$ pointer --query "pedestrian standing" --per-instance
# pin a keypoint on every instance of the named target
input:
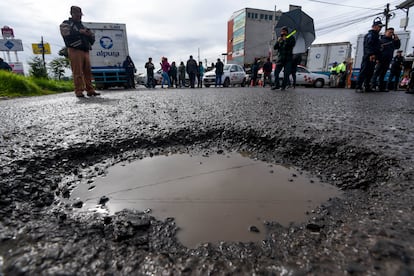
(389, 42)
(200, 75)
(342, 72)
(181, 74)
(130, 71)
(397, 65)
(284, 46)
(219, 72)
(255, 71)
(173, 74)
(267, 72)
(4, 65)
(150, 73)
(296, 60)
(372, 49)
(192, 70)
(79, 40)
(165, 67)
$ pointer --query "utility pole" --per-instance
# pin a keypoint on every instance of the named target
(387, 15)
(43, 53)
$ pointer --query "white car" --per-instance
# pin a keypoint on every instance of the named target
(142, 78)
(233, 74)
(305, 77)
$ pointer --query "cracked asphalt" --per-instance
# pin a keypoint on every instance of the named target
(362, 143)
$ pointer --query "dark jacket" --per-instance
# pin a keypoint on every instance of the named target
(372, 45)
(192, 67)
(173, 71)
(219, 68)
(397, 64)
(69, 30)
(285, 49)
(267, 67)
(5, 66)
(129, 66)
(388, 46)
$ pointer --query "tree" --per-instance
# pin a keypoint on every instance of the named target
(37, 68)
(57, 66)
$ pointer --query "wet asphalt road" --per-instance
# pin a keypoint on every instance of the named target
(363, 143)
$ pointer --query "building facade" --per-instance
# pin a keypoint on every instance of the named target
(250, 35)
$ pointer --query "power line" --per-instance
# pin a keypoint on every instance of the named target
(342, 5)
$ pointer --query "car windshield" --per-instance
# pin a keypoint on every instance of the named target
(226, 67)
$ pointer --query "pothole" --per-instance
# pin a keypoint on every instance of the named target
(220, 197)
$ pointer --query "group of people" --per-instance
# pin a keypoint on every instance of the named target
(377, 57)
(176, 76)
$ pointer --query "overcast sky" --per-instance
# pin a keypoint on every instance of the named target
(179, 28)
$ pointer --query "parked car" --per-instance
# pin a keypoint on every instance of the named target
(305, 77)
(142, 78)
(233, 74)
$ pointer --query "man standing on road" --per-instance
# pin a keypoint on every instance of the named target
(219, 72)
(372, 49)
(150, 73)
(192, 70)
(284, 45)
(267, 72)
(79, 40)
(389, 43)
(395, 72)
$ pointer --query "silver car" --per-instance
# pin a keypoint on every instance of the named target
(233, 74)
(305, 77)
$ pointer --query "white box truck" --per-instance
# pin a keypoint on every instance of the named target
(322, 56)
(108, 54)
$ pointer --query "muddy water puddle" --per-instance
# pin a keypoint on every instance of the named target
(212, 198)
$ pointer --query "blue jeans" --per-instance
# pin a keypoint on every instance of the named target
(218, 79)
(165, 77)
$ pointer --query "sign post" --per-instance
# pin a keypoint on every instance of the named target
(8, 44)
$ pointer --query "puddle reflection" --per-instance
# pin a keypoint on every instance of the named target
(212, 199)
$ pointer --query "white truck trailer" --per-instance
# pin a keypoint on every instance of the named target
(108, 54)
(322, 56)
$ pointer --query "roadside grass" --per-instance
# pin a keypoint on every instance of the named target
(13, 85)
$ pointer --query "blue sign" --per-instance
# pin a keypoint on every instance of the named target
(106, 42)
(9, 44)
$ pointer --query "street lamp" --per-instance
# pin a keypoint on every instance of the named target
(224, 57)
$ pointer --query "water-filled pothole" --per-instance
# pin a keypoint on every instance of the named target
(212, 198)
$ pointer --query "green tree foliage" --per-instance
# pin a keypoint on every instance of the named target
(57, 66)
(37, 68)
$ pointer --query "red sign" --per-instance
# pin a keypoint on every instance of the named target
(7, 32)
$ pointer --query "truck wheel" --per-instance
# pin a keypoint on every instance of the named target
(226, 82)
(318, 83)
(207, 85)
